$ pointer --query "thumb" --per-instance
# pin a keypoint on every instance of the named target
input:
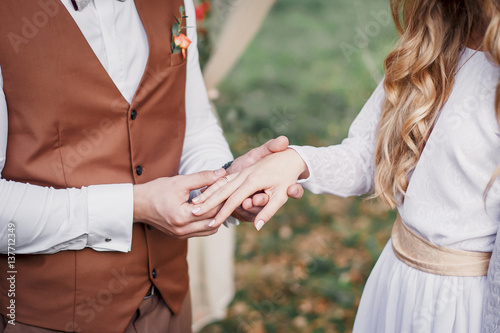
(272, 146)
(201, 179)
(276, 145)
(256, 154)
(295, 191)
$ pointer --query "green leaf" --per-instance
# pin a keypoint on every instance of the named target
(176, 29)
(182, 10)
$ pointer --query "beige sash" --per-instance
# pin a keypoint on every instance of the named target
(425, 256)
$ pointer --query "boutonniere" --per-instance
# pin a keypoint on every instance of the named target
(180, 42)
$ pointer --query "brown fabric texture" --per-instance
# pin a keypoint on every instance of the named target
(425, 256)
(69, 126)
(153, 315)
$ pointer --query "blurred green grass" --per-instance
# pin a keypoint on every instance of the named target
(306, 75)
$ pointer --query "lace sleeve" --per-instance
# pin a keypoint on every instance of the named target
(346, 169)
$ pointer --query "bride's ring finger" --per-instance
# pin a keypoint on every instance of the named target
(212, 189)
(223, 181)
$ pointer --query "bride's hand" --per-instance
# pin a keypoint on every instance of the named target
(273, 175)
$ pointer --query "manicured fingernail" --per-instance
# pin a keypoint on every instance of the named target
(195, 200)
(259, 225)
(211, 224)
(196, 210)
(219, 173)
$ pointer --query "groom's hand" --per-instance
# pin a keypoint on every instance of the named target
(253, 205)
(163, 204)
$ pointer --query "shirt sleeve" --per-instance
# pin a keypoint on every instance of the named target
(47, 220)
(205, 147)
(346, 169)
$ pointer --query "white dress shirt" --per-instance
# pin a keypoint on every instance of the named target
(49, 220)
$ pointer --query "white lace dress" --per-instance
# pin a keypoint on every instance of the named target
(444, 204)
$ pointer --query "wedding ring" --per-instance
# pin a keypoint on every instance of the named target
(226, 179)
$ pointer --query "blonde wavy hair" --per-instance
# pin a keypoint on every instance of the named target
(419, 77)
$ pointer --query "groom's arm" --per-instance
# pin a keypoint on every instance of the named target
(205, 147)
(47, 220)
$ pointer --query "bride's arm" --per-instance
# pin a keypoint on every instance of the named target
(346, 169)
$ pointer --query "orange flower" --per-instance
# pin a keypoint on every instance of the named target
(183, 42)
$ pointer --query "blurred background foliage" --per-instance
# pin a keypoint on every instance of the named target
(306, 75)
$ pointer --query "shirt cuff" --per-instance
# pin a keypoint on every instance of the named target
(110, 217)
(302, 152)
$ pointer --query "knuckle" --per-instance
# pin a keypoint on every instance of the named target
(209, 191)
(177, 224)
(177, 231)
(202, 197)
(253, 155)
(262, 197)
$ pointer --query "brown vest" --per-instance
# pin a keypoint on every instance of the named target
(69, 126)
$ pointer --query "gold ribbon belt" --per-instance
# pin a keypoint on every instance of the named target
(425, 256)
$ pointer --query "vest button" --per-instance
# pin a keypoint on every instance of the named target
(149, 227)
(154, 273)
(133, 115)
(138, 170)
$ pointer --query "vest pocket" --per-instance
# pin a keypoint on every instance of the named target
(177, 59)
